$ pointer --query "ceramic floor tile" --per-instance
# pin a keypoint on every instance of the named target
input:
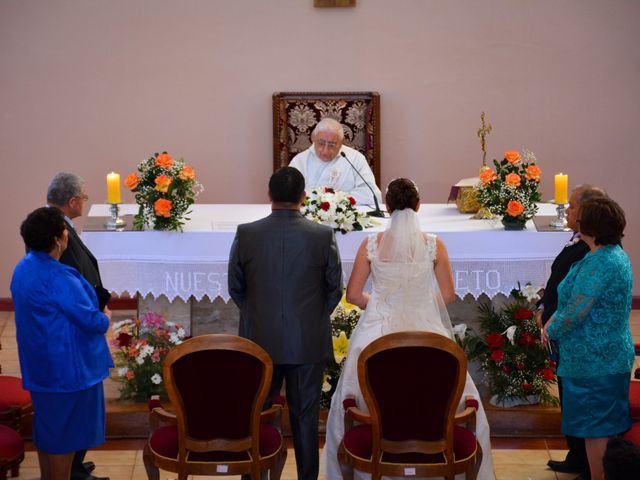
(10, 367)
(29, 473)
(30, 460)
(523, 472)
(139, 473)
(112, 457)
(558, 455)
(519, 457)
(114, 472)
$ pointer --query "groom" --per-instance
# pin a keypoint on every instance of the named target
(285, 276)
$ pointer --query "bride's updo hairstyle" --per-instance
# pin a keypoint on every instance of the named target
(402, 193)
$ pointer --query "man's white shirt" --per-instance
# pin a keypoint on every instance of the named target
(338, 174)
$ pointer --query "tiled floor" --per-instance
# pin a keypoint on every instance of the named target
(514, 459)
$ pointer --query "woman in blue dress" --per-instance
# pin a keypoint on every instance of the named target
(591, 325)
(63, 353)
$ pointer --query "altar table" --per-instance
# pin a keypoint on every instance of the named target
(193, 264)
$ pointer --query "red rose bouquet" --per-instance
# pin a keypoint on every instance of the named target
(515, 363)
(335, 209)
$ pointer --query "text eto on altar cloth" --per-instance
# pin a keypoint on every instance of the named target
(484, 257)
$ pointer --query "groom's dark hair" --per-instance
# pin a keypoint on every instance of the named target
(286, 185)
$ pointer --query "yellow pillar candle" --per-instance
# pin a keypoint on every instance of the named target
(113, 188)
(561, 188)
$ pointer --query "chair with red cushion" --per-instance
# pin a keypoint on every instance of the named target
(412, 383)
(12, 397)
(15, 405)
(218, 385)
(11, 452)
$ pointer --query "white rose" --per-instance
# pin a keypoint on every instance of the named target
(157, 379)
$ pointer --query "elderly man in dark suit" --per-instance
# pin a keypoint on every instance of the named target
(66, 192)
(285, 276)
(576, 459)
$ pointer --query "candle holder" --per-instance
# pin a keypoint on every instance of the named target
(560, 222)
(115, 223)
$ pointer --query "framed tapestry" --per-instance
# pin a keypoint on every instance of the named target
(295, 115)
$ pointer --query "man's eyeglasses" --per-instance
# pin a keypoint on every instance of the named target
(324, 143)
(83, 196)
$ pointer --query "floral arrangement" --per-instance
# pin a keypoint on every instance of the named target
(335, 209)
(343, 320)
(514, 361)
(511, 191)
(141, 346)
(165, 189)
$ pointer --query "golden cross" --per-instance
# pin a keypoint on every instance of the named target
(482, 133)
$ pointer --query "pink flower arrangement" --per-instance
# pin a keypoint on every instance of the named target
(141, 346)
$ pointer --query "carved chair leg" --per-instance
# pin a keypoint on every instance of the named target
(478, 462)
(278, 465)
(153, 472)
(15, 470)
(345, 467)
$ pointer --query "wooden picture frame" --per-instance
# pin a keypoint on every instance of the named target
(295, 115)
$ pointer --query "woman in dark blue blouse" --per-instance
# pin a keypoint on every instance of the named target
(591, 325)
(63, 353)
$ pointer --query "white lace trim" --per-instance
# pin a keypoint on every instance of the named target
(432, 246)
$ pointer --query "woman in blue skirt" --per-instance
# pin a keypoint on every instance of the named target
(63, 353)
(591, 325)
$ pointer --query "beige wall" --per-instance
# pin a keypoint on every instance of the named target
(92, 86)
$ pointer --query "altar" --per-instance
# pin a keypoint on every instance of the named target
(188, 266)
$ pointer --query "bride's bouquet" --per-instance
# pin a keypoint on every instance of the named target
(334, 208)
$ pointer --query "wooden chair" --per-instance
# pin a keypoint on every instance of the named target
(295, 115)
(11, 452)
(412, 383)
(15, 408)
(218, 385)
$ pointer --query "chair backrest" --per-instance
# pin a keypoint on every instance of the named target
(218, 384)
(295, 115)
(412, 383)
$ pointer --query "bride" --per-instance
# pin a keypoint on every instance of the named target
(412, 280)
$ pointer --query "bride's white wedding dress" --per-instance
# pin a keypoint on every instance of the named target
(405, 297)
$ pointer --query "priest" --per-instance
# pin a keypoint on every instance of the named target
(327, 162)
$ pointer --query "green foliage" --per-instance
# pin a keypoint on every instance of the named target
(512, 358)
(141, 347)
(343, 320)
(163, 206)
(495, 192)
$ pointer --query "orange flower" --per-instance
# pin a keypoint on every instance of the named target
(187, 173)
(163, 207)
(164, 160)
(514, 208)
(512, 156)
(132, 181)
(488, 176)
(162, 183)
(533, 173)
(512, 180)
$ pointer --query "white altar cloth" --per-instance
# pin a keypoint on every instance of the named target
(484, 257)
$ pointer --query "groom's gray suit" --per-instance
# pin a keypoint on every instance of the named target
(286, 278)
